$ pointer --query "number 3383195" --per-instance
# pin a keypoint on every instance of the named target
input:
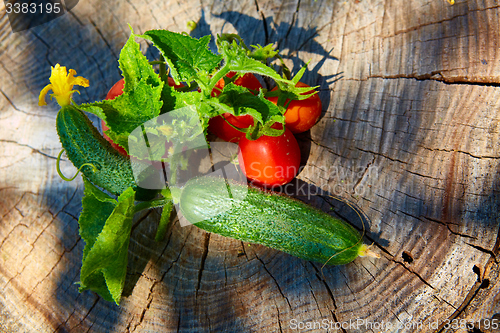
(33, 8)
(456, 324)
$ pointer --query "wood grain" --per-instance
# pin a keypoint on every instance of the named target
(409, 133)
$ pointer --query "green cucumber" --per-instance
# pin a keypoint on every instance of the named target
(84, 144)
(212, 204)
(273, 220)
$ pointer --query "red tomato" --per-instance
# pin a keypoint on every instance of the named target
(270, 161)
(171, 83)
(248, 80)
(223, 130)
(218, 125)
(301, 115)
(117, 90)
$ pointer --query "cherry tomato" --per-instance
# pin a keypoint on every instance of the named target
(218, 125)
(248, 80)
(270, 161)
(117, 90)
(226, 132)
(301, 115)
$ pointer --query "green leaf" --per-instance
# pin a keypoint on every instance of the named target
(135, 67)
(97, 206)
(183, 99)
(287, 91)
(141, 99)
(238, 60)
(134, 108)
(243, 102)
(262, 53)
(168, 96)
(239, 101)
(105, 225)
(186, 56)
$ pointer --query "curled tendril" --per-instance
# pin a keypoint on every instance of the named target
(360, 238)
(94, 169)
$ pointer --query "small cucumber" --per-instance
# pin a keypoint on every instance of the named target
(276, 221)
(84, 144)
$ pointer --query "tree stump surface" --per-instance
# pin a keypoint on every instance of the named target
(409, 133)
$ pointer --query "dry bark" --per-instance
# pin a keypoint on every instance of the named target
(409, 132)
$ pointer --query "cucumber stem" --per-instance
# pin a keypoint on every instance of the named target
(366, 251)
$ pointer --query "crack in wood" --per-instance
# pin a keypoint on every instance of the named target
(244, 251)
(292, 23)
(328, 290)
(420, 175)
(97, 298)
(35, 150)
(143, 313)
(482, 249)
(202, 263)
(99, 32)
(59, 328)
(75, 17)
(444, 223)
(178, 256)
(275, 281)
(368, 271)
(474, 291)
(167, 244)
(420, 26)
(436, 76)
(462, 152)
(54, 216)
(382, 155)
(16, 108)
(264, 24)
(328, 149)
(279, 319)
(19, 224)
(363, 175)
(381, 247)
(54, 266)
(413, 272)
(139, 220)
(131, 4)
(461, 308)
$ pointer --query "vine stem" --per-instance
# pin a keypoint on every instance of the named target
(219, 75)
(59, 172)
(151, 204)
(163, 69)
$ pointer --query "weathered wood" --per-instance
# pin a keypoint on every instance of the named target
(409, 133)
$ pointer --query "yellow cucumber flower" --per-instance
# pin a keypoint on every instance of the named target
(61, 83)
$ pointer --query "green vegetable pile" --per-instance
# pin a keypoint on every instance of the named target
(112, 195)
